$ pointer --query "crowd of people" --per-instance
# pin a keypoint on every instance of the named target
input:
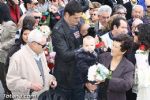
(48, 46)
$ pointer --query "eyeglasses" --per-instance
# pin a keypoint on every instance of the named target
(43, 46)
(93, 14)
(148, 6)
(37, 17)
(121, 13)
(103, 17)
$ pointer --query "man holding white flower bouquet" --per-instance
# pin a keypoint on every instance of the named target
(86, 57)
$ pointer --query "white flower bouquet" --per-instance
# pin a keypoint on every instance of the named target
(98, 72)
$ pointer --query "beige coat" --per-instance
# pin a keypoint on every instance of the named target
(7, 38)
(23, 70)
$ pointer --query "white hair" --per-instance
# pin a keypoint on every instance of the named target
(36, 36)
(104, 8)
(137, 21)
(138, 6)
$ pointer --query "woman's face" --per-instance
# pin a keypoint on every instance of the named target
(25, 35)
(16, 2)
(116, 49)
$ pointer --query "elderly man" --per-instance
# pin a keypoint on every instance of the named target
(28, 74)
(137, 12)
(104, 14)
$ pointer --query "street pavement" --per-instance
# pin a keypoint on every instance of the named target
(1, 91)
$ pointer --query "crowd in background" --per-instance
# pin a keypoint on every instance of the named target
(47, 47)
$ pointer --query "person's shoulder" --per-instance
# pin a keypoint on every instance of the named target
(128, 63)
(105, 35)
(13, 49)
(58, 25)
(10, 25)
(105, 55)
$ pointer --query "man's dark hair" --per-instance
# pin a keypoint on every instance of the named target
(27, 1)
(73, 7)
(116, 22)
(125, 40)
(144, 35)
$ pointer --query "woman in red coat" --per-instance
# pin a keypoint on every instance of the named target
(14, 10)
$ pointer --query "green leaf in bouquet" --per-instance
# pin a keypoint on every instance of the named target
(110, 75)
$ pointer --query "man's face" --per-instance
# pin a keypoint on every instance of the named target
(37, 17)
(39, 46)
(121, 12)
(148, 10)
(137, 13)
(123, 28)
(73, 20)
(104, 18)
(94, 16)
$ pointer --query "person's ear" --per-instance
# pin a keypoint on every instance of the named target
(114, 27)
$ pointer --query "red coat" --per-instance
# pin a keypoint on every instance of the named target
(14, 13)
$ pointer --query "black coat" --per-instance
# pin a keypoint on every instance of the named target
(65, 45)
(83, 61)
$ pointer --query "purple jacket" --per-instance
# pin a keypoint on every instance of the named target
(122, 78)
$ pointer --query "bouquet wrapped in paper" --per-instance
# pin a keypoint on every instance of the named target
(98, 72)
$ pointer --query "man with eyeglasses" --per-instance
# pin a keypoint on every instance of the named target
(28, 73)
(137, 12)
(120, 10)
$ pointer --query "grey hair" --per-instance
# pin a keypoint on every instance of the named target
(137, 21)
(104, 8)
(137, 6)
(118, 7)
(29, 12)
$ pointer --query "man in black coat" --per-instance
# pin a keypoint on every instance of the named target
(66, 40)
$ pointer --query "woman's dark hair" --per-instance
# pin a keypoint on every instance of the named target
(4, 13)
(28, 24)
(144, 35)
(125, 40)
(73, 7)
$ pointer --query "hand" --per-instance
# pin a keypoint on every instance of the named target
(91, 87)
(36, 86)
(53, 83)
(98, 82)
